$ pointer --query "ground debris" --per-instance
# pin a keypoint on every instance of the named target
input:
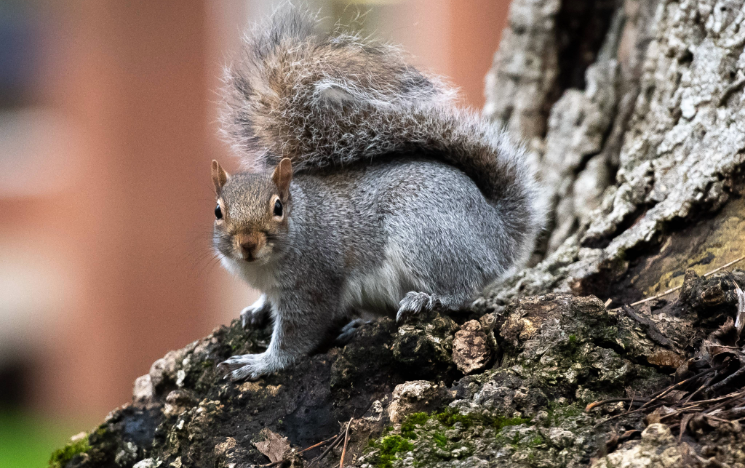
(708, 394)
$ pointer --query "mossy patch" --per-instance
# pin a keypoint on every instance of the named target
(408, 426)
(440, 439)
(450, 417)
(430, 431)
(388, 449)
(61, 457)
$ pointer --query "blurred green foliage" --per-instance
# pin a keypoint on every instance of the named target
(28, 440)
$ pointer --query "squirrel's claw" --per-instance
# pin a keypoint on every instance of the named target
(244, 367)
(414, 303)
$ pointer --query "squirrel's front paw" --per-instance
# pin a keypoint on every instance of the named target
(246, 366)
(414, 303)
(257, 314)
(348, 331)
(251, 317)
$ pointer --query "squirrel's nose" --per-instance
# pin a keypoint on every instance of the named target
(247, 246)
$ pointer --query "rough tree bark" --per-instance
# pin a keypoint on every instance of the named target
(633, 114)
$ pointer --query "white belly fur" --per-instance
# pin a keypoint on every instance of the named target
(380, 291)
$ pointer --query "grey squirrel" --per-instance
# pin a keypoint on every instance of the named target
(367, 190)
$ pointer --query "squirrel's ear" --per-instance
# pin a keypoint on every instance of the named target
(282, 176)
(219, 176)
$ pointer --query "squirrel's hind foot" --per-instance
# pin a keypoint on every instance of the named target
(415, 303)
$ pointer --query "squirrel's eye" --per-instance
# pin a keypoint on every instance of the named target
(277, 208)
(218, 212)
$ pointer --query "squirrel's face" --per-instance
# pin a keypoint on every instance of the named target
(251, 213)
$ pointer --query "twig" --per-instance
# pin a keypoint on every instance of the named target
(716, 270)
(673, 387)
(346, 439)
(595, 404)
(726, 381)
(279, 462)
(276, 463)
(672, 290)
(725, 398)
(708, 416)
(319, 443)
(627, 413)
(704, 385)
(723, 403)
(328, 449)
(338, 439)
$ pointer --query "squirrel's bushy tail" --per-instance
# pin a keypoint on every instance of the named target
(335, 99)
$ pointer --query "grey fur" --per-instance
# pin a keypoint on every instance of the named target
(399, 201)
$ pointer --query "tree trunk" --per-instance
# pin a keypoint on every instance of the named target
(641, 159)
(633, 115)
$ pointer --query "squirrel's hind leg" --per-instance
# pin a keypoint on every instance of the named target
(257, 314)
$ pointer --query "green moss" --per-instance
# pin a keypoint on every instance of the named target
(407, 428)
(440, 439)
(60, 457)
(450, 417)
(500, 423)
(389, 447)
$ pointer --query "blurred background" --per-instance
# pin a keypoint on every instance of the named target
(108, 115)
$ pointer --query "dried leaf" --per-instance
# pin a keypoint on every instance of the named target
(675, 396)
(274, 446)
(655, 416)
(721, 352)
